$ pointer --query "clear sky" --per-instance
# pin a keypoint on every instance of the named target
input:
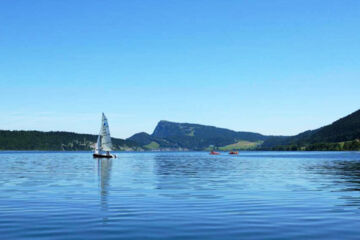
(274, 67)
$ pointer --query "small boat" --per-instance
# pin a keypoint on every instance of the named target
(214, 153)
(234, 152)
(103, 144)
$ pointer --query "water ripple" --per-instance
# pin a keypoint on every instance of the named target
(255, 195)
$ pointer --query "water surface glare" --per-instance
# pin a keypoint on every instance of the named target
(180, 195)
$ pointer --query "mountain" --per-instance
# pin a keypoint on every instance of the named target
(150, 142)
(344, 129)
(343, 134)
(58, 141)
(196, 137)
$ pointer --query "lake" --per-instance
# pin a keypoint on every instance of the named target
(180, 195)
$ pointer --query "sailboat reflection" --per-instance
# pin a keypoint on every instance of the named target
(104, 173)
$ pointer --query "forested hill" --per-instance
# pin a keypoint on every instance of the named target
(343, 134)
(196, 137)
(57, 141)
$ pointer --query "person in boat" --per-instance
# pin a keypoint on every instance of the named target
(107, 153)
(214, 153)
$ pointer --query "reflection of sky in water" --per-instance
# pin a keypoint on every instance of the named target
(180, 195)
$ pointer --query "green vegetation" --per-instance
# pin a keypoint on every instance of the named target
(337, 146)
(241, 145)
(152, 146)
(199, 137)
(57, 141)
(148, 141)
(342, 135)
(192, 133)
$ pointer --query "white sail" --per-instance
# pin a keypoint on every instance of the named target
(98, 145)
(106, 144)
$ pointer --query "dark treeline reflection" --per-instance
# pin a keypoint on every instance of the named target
(343, 177)
(176, 172)
(178, 165)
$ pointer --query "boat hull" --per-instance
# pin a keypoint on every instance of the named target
(214, 153)
(102, 156)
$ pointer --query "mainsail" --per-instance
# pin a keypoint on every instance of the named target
(106, 144)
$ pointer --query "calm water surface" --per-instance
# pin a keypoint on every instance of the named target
(255, 195)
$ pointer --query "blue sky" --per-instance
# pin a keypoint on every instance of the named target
(274, 67)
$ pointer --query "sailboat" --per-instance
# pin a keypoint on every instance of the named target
(103, 145)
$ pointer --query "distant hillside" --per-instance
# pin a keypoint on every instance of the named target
(149, 142)
(344, 129)
(36, 140)
(343, 134)
(196, 137)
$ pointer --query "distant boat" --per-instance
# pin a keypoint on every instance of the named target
(103, 145)
(214, 153)
(234, 152)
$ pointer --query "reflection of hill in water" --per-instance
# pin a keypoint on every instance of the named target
(175, 165)
(179, 174)
(343, 178)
